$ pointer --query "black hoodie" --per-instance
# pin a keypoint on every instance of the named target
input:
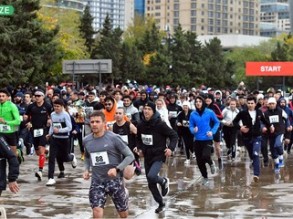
(152, 136)
(201, 110)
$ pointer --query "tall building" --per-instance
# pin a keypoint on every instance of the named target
(275, 17)
(139, 7)
(291, 15)
(121, 12)
(206, 17)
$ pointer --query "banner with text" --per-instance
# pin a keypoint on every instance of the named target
(269, 68)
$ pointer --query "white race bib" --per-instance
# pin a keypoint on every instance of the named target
(5, 128)
(185, 123)
(38, 132)
(274, 119)
(57, 125)
(124, 138)
(147, 139)
(88, 110)
(100, 158)
(173, 114)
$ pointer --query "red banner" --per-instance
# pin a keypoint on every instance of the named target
(269, 68)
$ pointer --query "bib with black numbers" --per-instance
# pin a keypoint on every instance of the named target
(38, 132)
(274, 119)
(147, 139)
(100, 158)
(5, 128)
(57, 125)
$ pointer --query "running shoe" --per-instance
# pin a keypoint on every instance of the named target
(165, 186)
(277, 168)
(205, 182)
(255, 179)
(39, 175)
(74, 161)
(160, 208)
(61, 175)
(51, 182)
(281, 163)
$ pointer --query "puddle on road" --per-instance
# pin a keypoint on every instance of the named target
(230, 194)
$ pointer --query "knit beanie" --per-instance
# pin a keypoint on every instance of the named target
(151, 105)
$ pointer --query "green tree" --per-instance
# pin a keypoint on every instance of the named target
(28, 50)
(217, 73)
(151, 41)
(185, 52)
(239, 56)
(108, 46)
(281, 53)
(86, 29)
(131, 64)
(70, 44)
(158, 71)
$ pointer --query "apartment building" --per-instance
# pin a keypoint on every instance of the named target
(121, 12)
(206, 17)
(275, 17)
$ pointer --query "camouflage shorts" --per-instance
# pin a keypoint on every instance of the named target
(114, 188)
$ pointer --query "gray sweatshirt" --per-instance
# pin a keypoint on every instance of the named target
(61, 121)
(104, 153)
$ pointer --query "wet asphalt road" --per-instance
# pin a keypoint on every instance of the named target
(231, 193)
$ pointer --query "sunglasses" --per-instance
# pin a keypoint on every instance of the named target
(38, 95)
(108, 104)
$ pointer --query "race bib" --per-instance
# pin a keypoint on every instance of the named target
(173, 114)
(5, 128)
(100, 158)
(147, 139)
(88, 110)
(185, 123)
(57, 125)
(274, 119)
(124, 138)
(38, 132)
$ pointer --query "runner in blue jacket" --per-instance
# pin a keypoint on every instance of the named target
(203, 124)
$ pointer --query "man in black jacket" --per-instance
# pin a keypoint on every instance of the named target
(249, 123)
(152, 134)
(7, 154)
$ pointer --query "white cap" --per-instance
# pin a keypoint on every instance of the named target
(260, 96)
(272, 100)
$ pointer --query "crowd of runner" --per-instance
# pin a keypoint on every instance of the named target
(139, 122)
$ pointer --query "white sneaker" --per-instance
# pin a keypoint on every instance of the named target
(2, 213)
(74, 161)
(187, 162)
(205, 181)
(51, 182)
